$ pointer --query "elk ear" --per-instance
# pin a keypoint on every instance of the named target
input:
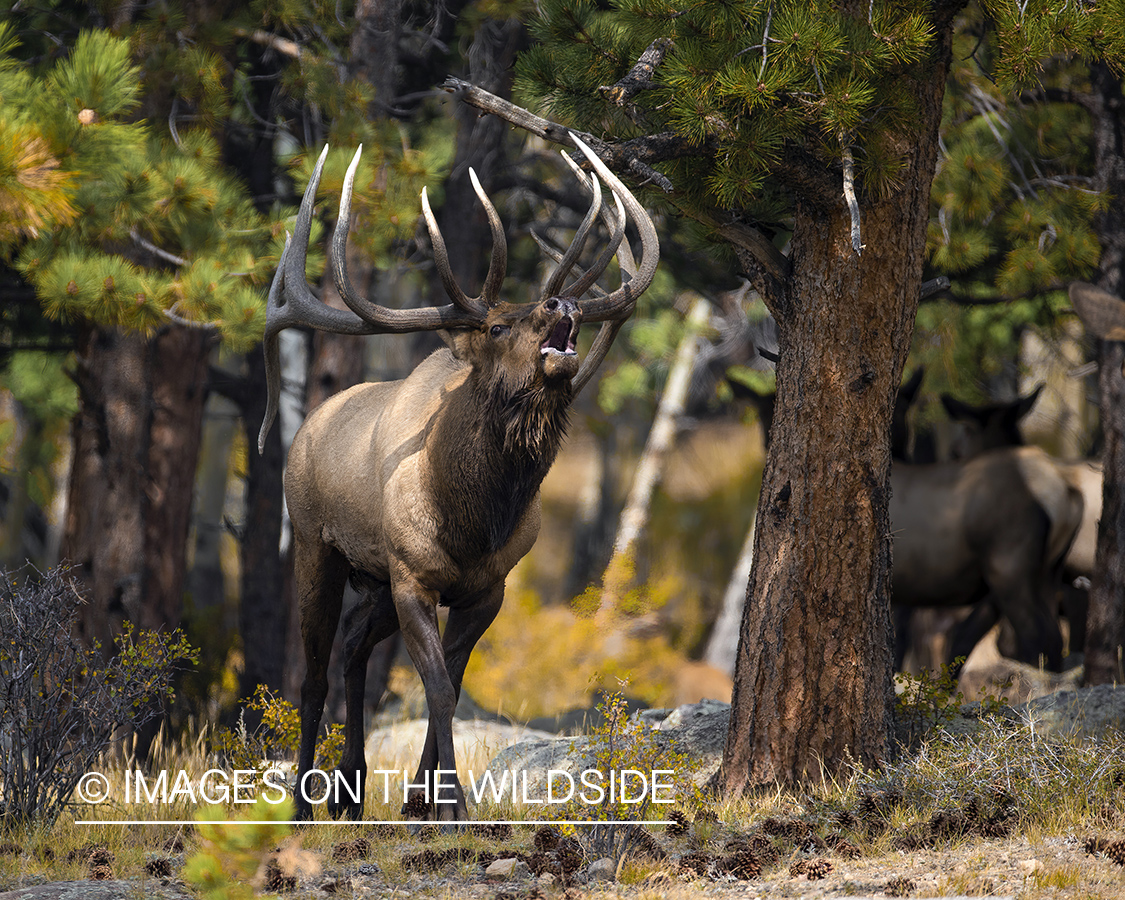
(457, 340)
(1024, 404)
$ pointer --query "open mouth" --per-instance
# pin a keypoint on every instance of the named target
(561, 339)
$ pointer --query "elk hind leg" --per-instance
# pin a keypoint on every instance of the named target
(367, 623)
(320, 574)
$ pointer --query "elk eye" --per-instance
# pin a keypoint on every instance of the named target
(499, 330)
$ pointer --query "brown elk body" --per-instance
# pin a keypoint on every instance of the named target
(991, 531)
(988, 533)
(425, 492)
(996, 425)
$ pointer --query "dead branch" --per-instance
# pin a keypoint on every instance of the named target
(639, 78)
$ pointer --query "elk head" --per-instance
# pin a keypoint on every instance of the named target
(485, 330)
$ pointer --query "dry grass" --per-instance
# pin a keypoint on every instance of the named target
(1049, 799)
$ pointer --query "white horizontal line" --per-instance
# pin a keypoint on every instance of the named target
(370, 822)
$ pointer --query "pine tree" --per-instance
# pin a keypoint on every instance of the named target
(810, 128)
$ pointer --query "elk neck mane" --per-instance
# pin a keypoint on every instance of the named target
(494, 447)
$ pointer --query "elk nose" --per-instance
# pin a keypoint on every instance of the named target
(564, 305)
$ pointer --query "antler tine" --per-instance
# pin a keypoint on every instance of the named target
(556, 254)
(498, 265)
(616, 225)
(291, 302)
(554, 283)
(441, 260)
(385, 319)
(621, 301)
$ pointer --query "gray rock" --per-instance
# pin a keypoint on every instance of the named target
(603, 869)
(509, 869)
(1085, 712)
(698, 731)
(96, 890)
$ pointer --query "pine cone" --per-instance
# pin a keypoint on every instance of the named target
(100, 864)
(540, 862)
(844, 848)
(680, 824)
(743, 865)
(159, 867)
(899, 886)
(997, 826)
(347, 851)
(645, 844)
(174, 844)
(494, 832)
(947, 823)
(1095, 844)
(416, 807)
(909, 841)
(697, 862)
(799, 867)
(818, 868)
(1115, 850)
(570, 856)
(546, 837)
(277, 882)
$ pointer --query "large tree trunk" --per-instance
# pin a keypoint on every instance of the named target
(1105, 632)
(136, 443)
(813, 672)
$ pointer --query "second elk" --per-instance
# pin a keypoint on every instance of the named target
(425, 492)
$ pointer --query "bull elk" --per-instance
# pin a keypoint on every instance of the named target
(425, 491)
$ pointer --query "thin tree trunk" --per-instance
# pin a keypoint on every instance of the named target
(1105, 632)
(177, 374)
(813, 673)
(722, 646)
(650, 468)
(593, 526)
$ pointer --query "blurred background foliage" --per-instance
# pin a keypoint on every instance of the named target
(151, 157)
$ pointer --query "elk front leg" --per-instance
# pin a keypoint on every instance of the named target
(320, 573)
(463, 629)
(365, 624)
(417, 617)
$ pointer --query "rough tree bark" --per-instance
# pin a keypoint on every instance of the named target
(813, 670)
(136, 440)
(1105, 631)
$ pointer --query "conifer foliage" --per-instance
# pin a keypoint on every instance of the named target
(113, 223)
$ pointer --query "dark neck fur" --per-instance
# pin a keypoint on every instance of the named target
(493, 450)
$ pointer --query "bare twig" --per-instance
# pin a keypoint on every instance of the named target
(282, 45)
(157, 251)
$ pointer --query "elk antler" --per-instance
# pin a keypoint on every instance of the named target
(292, 303)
